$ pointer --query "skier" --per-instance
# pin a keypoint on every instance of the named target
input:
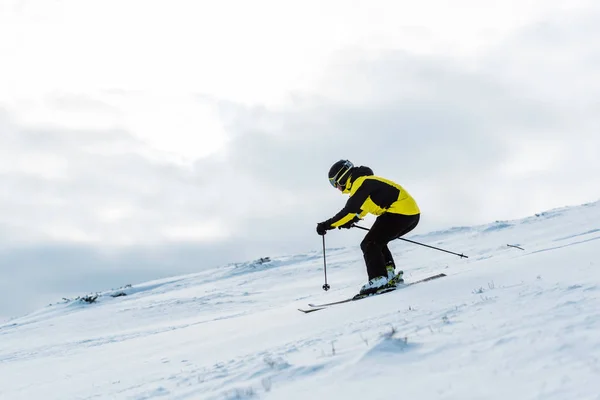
(397, 214)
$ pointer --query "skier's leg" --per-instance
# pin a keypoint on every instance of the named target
(374, 246)
(373, 255)
(406, 223)
(403, 224)
(390, 266)
(387, 255)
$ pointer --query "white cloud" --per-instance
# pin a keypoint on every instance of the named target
(528, 157)
(235, 49)
(206, 231)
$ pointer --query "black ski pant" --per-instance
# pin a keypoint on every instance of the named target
(374, 246)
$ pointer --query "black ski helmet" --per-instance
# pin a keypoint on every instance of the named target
(339, 171)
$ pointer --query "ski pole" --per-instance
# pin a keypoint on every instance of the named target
(420, 244)
(325, 286)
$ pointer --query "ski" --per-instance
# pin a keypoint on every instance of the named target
(317, 307)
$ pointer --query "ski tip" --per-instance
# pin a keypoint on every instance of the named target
(311, 310)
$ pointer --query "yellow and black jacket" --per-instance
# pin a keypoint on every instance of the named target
(372, 194)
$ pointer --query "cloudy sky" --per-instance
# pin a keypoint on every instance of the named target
(141, 139)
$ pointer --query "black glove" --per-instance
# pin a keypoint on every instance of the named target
(322, 228)
(349, 224)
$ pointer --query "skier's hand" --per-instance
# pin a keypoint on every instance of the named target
(349, 224)
(322, 228)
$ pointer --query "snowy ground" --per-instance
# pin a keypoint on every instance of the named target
(504, 324)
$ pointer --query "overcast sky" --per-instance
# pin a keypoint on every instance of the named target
(141, 139)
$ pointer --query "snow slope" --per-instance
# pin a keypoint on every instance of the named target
(505, 323)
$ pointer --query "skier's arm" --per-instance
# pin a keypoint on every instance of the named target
(351, 210)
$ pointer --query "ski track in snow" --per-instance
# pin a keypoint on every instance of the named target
(505, 323)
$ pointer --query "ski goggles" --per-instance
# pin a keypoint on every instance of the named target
(345, 168)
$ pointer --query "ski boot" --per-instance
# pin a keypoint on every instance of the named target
(391, 271)
(393, 277)
(373, 285)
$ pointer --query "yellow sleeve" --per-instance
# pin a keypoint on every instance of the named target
(345, 220)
